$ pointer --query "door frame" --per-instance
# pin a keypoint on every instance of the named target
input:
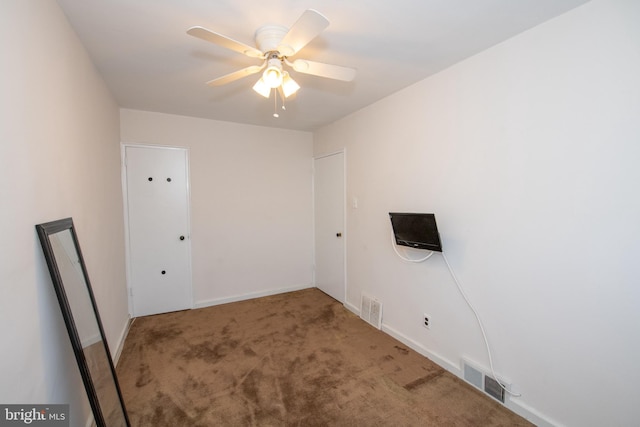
(345, 235)
(125, 213)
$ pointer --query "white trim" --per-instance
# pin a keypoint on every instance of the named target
(90, 421)
(434, 357)
(125, 215)
(123, 337)
(329, 154)
(313, 221)
(345, 205)
(530, 414)
(91, 340)
(252, 295)
(352, 308)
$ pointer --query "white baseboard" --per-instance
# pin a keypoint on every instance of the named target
(439, 360)
(121, 340)
(515, 405)
(434, 357)
(252, 295)
(90, 421)
(352, 308)
(530, 414)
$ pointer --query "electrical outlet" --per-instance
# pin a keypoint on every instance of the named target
(426, 321)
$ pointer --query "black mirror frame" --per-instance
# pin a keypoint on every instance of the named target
(45, 230)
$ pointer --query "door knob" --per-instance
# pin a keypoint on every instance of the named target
(181, 237)
(338, 234)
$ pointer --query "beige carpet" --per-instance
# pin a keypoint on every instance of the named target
(295, 359)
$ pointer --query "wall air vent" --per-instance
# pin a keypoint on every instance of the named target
(371, 311)
(472, 375)
(493, 388)
(483, 381)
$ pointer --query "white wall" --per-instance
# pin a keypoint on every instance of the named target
(59, 157)
(251, 211)
(528, 153)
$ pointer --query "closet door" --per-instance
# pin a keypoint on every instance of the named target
(329, 202)
(159, 255)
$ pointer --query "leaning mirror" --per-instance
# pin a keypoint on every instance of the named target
(80, 312)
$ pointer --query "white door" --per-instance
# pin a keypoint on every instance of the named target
(158, 229)
(329, 199)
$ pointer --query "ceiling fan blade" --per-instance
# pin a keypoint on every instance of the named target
(228, 78)
(224, 41)
(306, 28)
(323, 70)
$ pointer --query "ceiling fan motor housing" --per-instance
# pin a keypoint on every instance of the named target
(268, 37)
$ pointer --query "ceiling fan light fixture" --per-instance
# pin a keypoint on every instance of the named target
(289, 86)
(262, 88)
(274, 45)
(272, 76)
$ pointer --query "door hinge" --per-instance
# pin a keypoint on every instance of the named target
(131, 292)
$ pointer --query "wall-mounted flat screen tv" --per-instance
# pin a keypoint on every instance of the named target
(416, 230)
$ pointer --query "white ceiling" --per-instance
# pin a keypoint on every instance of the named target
(149, 62)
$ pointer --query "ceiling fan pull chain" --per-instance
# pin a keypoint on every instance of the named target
(275, 104)
(282, 97)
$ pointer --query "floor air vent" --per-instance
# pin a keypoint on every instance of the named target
(371, 311)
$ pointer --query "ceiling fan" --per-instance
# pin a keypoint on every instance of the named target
(274, 45)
